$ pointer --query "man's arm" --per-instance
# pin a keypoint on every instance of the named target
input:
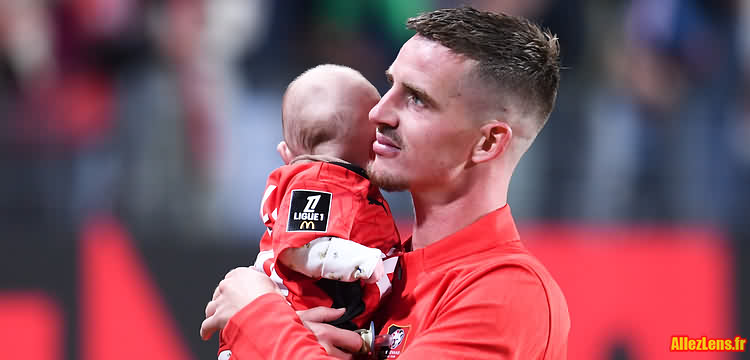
(257, 320)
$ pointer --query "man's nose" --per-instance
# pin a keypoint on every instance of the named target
(383, 113)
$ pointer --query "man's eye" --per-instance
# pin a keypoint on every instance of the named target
(414, 98)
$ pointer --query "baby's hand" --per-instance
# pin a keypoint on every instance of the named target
(377, 273)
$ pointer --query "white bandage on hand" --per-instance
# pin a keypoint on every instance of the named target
(336, 259)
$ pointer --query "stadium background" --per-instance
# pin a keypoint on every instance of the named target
(136, 136)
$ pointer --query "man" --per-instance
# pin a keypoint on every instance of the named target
(470, 92)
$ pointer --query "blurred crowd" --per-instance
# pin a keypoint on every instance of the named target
(167, 112)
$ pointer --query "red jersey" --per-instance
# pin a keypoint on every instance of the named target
(476, 294)
(306, 201)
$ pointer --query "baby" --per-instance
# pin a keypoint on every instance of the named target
(329, 228)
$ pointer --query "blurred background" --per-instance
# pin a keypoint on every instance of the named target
(136, 137)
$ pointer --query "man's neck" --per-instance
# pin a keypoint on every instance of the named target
(438, 215)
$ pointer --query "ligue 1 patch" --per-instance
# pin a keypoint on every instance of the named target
(398, 335)
(225, 355)
(309, 211)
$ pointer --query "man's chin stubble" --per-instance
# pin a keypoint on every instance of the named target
(386, 182)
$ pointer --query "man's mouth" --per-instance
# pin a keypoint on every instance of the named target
(385, 146)
(384, 140)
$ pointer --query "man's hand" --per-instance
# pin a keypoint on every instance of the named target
(338, 343)
(239, 287)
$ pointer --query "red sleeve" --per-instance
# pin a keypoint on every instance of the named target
(490, 318)
(269, 205)
(268, 328)
(330, 208)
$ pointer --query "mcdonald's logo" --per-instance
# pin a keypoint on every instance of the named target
(309, 210)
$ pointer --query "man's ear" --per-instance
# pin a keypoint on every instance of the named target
(286, 154)
(496, 137)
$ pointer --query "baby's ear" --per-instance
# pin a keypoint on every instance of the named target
(286, 154)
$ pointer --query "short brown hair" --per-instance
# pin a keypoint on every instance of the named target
(512, 53)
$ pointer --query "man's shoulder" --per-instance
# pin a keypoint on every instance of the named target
(498, 270)
(513, 292)
(497, 257)
(495, 264)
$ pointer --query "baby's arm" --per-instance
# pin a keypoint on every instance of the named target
(336, 259)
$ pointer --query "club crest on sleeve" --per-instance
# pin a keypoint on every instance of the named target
(309, 210)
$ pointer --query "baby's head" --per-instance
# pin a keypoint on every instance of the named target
(325, 112)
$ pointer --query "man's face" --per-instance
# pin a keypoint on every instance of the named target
(426, 130)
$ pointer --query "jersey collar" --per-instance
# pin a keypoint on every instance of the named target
(492, 230)
(351, 167)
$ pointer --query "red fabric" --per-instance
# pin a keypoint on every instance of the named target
(358, 212)
(477, 294)
(269, 328)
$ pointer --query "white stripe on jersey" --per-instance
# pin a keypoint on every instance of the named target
(384, 283)
(261, 258)
(389, 265)
(266, 194)
(277, 279)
